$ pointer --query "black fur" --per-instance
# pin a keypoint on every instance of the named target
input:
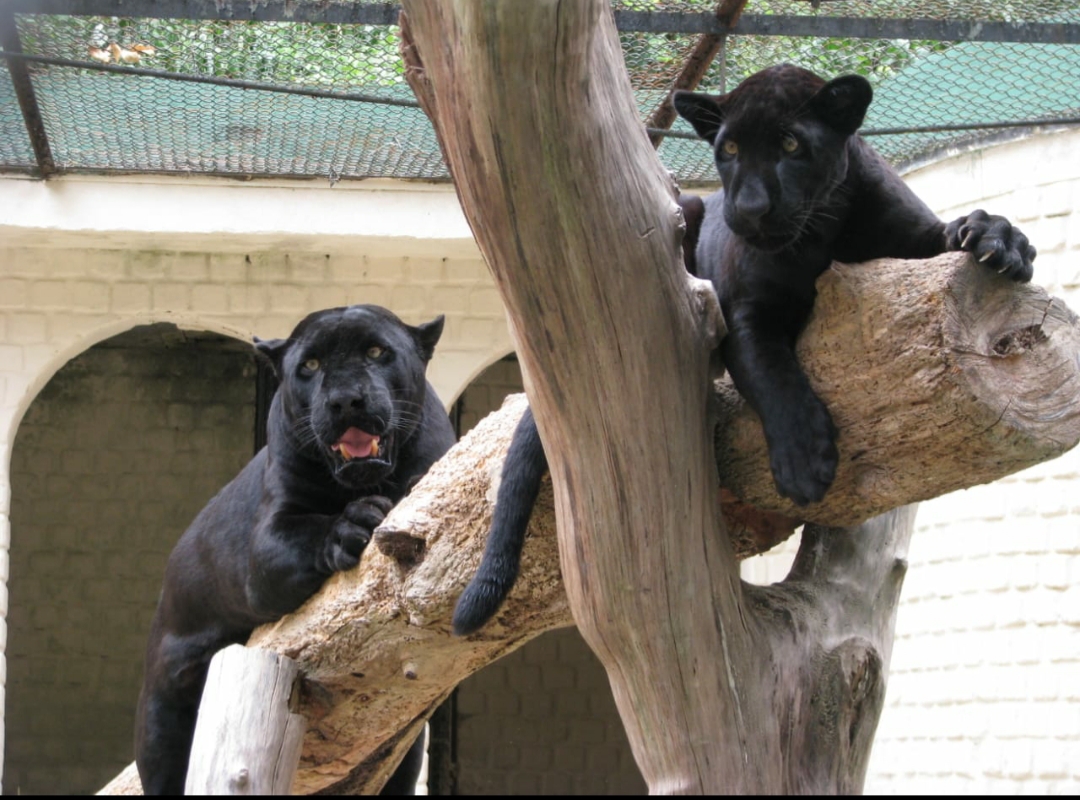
(351, 384)
(800, 190)
(522, 472)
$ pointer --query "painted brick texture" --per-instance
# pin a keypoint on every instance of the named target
(984, 695)
(54, 303)
(487, 392)
(542, 721)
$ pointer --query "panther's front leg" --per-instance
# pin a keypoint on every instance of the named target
(994, 241)
(799, 430)
(293, 554)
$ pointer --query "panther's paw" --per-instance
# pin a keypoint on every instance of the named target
(995, 242)
(803, 455)
(352, 531)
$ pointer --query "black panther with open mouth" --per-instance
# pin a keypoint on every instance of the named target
(353, 425)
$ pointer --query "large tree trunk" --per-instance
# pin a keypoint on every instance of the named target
(722, 687)
(577, 221)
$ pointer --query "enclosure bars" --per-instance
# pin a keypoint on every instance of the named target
(24, 92)
(15, 57)
(707, 48)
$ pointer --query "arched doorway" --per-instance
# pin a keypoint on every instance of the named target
(111, 462)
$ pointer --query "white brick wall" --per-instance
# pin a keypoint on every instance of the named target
(984, 689)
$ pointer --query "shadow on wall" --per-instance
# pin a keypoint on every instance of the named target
(111, 462)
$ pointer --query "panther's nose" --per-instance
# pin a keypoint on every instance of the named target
(341, 401)
(752, 202)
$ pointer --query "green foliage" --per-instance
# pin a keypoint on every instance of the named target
(307, 54)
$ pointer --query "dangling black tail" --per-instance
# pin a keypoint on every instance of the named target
(522, 472)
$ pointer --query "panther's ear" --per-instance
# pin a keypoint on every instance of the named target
(700, 110)
(842, 102)
(427, 336)
(273, 350)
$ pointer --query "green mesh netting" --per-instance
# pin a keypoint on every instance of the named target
(15, 150)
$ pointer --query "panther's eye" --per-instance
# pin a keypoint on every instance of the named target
(729, 148)
(375, 351)
(789, 143)
(312, 365)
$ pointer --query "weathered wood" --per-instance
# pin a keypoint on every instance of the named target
(246, 740)
(576, 219)
(824, 636)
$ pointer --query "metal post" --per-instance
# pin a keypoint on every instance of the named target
(24, 91)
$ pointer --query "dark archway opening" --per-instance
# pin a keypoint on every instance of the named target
(113, 459)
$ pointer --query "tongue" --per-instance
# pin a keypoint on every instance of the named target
(357, 443)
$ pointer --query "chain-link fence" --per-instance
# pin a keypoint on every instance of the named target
(183, 86)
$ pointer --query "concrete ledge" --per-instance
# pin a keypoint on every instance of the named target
(377, 217)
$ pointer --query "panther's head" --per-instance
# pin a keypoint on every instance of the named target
(780, 143)
(352, 388)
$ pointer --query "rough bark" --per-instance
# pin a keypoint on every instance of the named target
(722, 687)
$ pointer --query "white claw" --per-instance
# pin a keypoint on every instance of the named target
(986, 257)
(967, 240)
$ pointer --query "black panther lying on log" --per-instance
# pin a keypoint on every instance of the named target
(353, 425)
(800, 190)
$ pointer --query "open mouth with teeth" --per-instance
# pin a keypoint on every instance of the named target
(356, 444)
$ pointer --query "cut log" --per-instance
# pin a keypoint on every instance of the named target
(940, 375)
(247, 742)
